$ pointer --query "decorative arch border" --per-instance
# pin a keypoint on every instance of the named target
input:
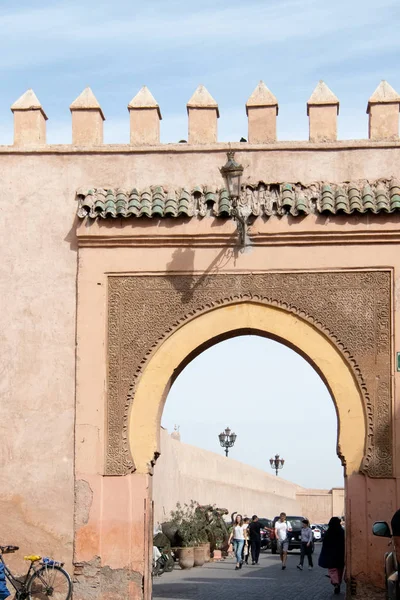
(375, 464)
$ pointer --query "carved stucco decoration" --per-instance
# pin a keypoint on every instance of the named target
(352, 308)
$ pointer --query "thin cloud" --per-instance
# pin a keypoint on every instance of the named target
(70, 30)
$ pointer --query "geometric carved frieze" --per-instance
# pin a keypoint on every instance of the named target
(352, 308)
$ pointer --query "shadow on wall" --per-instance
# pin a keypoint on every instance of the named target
(183, 262)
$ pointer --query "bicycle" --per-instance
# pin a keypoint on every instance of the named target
(45, 578)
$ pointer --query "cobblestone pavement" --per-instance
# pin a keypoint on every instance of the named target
(220, 581)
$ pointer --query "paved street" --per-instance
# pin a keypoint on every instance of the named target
(220, 581)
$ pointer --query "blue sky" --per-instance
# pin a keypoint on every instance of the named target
(273, 400)
(58, 48)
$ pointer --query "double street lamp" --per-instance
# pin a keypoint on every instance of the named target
(227, 438)
(277, 463)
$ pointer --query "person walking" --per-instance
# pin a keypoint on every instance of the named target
(237, 537)
(332, 553)
(246, 549)
(255, 539)
(282, 528)
(306, 545)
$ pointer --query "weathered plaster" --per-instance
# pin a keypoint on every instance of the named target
(97, 582)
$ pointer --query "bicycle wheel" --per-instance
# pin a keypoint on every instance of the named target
(169, 567)
(50, 582)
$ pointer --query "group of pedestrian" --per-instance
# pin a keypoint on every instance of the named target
(246, 538)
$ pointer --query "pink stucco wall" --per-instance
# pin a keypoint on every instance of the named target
(38, 316)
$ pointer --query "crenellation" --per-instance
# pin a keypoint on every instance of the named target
(322, 110)
(383, 110)
(87, 120)
(145, 117)
(29, 120)
(203, 113)
(262, 110)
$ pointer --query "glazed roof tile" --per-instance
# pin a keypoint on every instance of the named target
(260, 199)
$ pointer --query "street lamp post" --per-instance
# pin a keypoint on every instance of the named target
(277, 463)
(227, 438)
(232, 173)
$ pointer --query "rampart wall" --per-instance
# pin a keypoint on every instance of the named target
(321, 505)
(184, 472)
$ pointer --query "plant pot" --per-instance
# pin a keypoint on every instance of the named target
(199, 556)
(206, 547)
(186, 558)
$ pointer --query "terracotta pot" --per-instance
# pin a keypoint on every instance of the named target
(206, 547)
(186, 558)
(199, 556)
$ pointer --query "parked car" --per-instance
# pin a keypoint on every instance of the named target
(382, 529)
(323, 528)
(317, 534)
(294, 534)
(268, 535)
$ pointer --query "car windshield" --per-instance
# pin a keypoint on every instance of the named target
(265, 523)
(296, 522)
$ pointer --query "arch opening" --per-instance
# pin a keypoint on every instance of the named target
(244, 318)
(269, 395)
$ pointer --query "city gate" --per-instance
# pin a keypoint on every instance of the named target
(166, 249)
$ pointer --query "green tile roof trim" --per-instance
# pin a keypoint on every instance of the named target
(261, 199)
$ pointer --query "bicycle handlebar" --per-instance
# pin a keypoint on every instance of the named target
(8, 549)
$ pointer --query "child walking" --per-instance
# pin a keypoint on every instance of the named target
(306, 545)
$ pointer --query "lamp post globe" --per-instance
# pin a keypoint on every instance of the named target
(277, 463)
(232, 173)
(227, 439)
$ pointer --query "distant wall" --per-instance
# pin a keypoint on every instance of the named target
(184, 472)
(321, 505)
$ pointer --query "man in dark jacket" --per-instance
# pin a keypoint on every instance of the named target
(255, 538)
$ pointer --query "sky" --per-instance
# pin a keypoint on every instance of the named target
(273, 400)
(59, 48)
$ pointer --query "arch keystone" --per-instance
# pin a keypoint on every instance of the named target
(383, 110)
(29, 120)
(322, 110)
(145, 117)
(262, 110)
(203, 113)
(87, 120)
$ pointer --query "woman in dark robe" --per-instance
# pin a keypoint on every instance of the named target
(332, 553)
